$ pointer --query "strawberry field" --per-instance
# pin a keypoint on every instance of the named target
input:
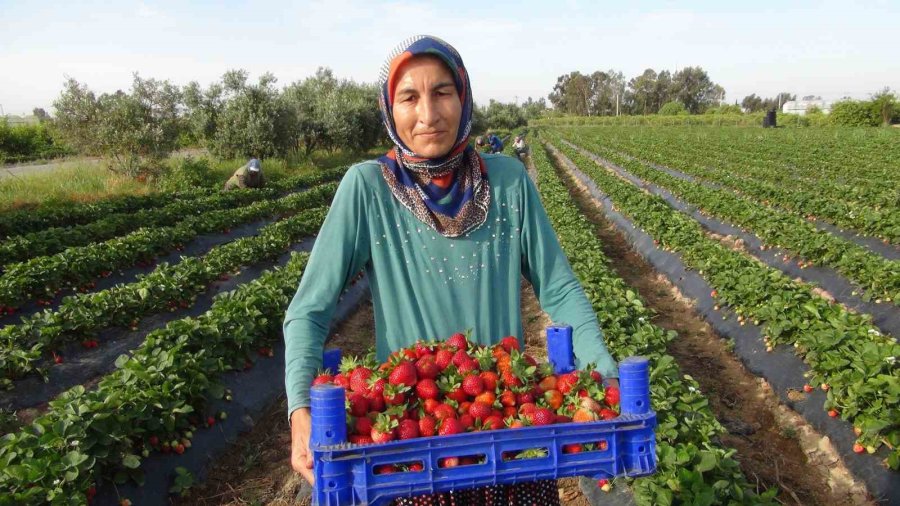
(141, 348)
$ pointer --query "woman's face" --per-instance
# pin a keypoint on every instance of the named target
(426, 107)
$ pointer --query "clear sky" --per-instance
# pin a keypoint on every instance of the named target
(512, 49)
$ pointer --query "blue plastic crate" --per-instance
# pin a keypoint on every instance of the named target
(345, 473)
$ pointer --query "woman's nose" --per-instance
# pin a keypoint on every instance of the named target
(428, 111)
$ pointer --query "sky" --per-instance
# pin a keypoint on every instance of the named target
(513, 50)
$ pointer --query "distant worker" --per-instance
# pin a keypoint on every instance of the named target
(496, 143)
(248, 176)
(519, 146)
(481, 145)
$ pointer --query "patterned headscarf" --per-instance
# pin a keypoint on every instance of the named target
(451, 193)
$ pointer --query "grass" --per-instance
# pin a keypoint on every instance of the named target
(86, 181)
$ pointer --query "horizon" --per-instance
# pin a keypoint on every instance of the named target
(513, 50)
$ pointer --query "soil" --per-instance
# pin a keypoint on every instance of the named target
(775, 446)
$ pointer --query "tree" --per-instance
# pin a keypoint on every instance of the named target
(695, 90)
(884, 105)
(642, 93)
(305, 98)
(40, 114)
(572, 94)
(752, 103)
(854, 113)
(534, 109)
(133, 131)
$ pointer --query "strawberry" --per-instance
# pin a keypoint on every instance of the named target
(508, 398)
(395, 395)
(553, 398)
(403, 374)
(427, 368)
(585, 415)
(548, 383)
(154, 441)
(572, 448)
(596, 376)
(430, 404)
(179, 449)
(590, 404)
(450, 426)
(385, 469)
(563, 419)
(360, 439)
(807, 388)
(833, 413)
(408, 429)
(448, 462)
(359, 379)
(376, 385)
(566, 382)
(427, 426)
(858, 448)
(424, 349)
(467, 421)
(492, 422)
(515, 423)
(510, 343)
(612, 396)
(323, 379)
(608, 414)
(488, 397)
(376, 402)
(363, 426)
(383, 430)
(524, 398)
(416, 466)
(444, 411)
(341, 380)
(480, 410)
(470, 366)
(543, 416)
(427, 389)
(57, 359)
(461, 357)
(357, 404)
(458, 341)
(443, 358)
(473, 385)
(604, 485)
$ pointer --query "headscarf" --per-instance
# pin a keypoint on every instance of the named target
(451, 193)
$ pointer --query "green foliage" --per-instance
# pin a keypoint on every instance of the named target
(133, 131)
(672, 109)
(725, 109)
(854, 113)
(28, 142)
(187, 173)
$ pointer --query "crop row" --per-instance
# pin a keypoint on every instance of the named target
(879, 277)
(870, 209)
(44, 277)
(157, 393)
(167, 287)
(692, 466)
(845, 352)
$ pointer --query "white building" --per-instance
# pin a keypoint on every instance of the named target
(801, 106)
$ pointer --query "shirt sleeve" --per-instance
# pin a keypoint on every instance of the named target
(340, 251)
(561, 295)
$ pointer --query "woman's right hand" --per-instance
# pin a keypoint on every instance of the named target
(301, 456)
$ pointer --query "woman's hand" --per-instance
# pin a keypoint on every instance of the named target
(301, 456)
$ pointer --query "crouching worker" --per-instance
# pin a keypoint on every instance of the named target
(248, 176)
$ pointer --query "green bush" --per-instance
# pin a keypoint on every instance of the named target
(21, 143)
(187, 173)
(854, 113)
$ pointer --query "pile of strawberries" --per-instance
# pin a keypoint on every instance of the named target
(455, 386)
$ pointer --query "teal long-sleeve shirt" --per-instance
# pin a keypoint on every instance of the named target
(427, 286)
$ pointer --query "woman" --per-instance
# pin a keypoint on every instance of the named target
(444, 235)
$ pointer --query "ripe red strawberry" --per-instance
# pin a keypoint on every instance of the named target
(508, 398)
(408, 429)
(492, 422)
(359, 379)
(563, 419)
(427, 426)
(210, 420)
(362, 425)
(376, 385)
(323, 379)
(572, 448)
(360, 439)
(596, 376)
(458, 341)
(357, 404)
(612, 396)
(430, 404)
(376, 402)
(490, 379)
(807, 388)
(154, 441)
(470, 366)
(443, 358)
(385, 469)
(450, 426)
(448, 462)
(510, 378)
(608, 414)
(467, 421)
(426, 367)
(543, 416)
(480, 410)
(179, 449)
(383, 430)
(395, 395)
(341, 380)
(473, 385)
(514, 423)
(510, 343)
(833, 413)
(566, 382)
(403, 374)
(423, 349)
(444, 411)
(524, 398)
(527, 409)
(416, 466)
(427, 389)
(461, 357)
(57, 359)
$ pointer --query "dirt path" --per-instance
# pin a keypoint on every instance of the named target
(775, 446)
